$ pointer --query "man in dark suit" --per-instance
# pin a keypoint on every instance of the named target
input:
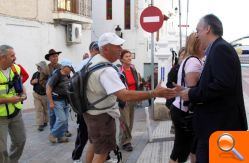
(218, 96)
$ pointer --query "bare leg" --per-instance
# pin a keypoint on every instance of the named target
(89, 153)
(99, 158)
(192, 158)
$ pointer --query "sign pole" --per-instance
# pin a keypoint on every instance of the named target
(152, 67)
(180, 24)
(152, 63)
(151, 20)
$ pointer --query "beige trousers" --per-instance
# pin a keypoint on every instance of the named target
(41, 108)
(15, 128)
(126, 122)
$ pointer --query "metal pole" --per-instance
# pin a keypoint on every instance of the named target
(180, 24)
(152, 63)
(187, 19)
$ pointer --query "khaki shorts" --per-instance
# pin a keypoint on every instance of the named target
(101, 132)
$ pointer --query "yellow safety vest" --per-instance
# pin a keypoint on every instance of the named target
(8, 109)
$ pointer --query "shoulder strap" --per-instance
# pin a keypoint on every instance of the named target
(13, 68)
(56, 71)
(184, 74)
(95, 68)
(183, 68)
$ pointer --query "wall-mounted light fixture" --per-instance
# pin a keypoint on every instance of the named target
(118, 31)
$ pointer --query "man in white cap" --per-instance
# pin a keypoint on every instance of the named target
(56, 93)
(100, 119)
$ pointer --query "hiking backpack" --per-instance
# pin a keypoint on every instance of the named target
(78, 85)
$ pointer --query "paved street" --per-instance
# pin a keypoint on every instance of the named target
(39, 150)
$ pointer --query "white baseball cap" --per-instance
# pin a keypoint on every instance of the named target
(110, 38)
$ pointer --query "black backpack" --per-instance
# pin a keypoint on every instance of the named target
(172, 77)
(78, 84)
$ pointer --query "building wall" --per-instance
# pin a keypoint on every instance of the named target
(136, 39)
(40, 10)
(31, 40)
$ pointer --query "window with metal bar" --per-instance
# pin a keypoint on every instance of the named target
(127, 14)
(109, 9)
(68, 5)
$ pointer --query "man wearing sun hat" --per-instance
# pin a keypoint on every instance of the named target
(105, 82)
(53, 56)
(39, 94)
(56, 93)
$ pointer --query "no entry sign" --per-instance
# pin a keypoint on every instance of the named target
(151, 19)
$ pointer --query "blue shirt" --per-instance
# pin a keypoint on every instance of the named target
(82, 63)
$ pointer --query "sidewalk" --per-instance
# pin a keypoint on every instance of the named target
(39, 150)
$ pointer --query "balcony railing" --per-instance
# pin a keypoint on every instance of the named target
(79, 7)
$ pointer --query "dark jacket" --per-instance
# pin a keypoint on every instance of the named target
(219, 95)
(38, 87)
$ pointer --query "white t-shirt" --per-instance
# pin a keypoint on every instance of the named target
(192, 65)
(6, 73)
(110, 80)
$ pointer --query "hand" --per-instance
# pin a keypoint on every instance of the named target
(51, 105)
(15, 99)
(165, 92)
(170, 93)
(178, 88)
(34, 81)
(184, 94)
(23, 97)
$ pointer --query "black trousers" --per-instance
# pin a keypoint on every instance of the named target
(81, 139)
(202, 151)
(183, 138)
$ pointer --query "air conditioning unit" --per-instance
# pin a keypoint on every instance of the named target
(74, 33)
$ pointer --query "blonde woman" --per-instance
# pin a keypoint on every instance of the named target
(188, 76)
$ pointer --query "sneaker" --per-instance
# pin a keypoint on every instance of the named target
(51, 138)
(127, 147)
(112, 160)
(63, 140)
(68, 134)
(40, 128)
(77, 161)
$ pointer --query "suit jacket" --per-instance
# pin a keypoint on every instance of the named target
(218, 95)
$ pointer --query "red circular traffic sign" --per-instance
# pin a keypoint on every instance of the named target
(151, 19)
